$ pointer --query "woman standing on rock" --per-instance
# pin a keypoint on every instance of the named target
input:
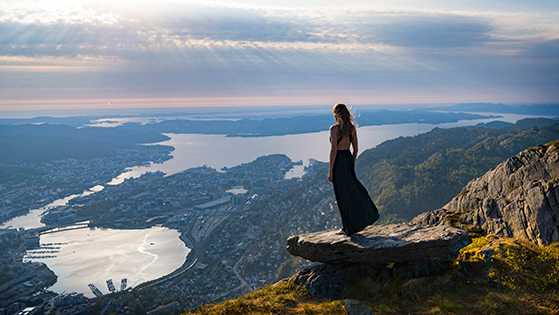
(356, 207)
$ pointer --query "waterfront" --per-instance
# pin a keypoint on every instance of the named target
(216, 151)
(33, 219)
(94, 255)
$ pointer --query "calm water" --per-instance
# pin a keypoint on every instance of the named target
(94, 255)
(217, 151)
(33, 219)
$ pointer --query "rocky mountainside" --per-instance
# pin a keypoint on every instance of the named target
(404, 268)
(410, 175)
(518, 198)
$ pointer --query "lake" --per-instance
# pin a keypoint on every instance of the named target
(33, 219)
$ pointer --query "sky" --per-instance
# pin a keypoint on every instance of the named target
(138, 54)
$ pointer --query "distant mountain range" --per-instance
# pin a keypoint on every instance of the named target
(536, 109)
(298, 124)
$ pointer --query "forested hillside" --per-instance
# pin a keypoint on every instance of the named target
(411, 175)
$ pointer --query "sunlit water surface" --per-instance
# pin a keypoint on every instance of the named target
(217, 151)
(33, 219)
(95, 255)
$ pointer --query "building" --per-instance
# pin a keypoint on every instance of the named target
(69, 299)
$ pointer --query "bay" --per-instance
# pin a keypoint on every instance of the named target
(32, 220)
(218, 151)
(95, 255)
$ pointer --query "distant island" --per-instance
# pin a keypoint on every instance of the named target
(299, 124)
(252, 124)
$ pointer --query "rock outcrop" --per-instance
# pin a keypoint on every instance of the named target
(518, 198)
(381, 244)
(410, 250)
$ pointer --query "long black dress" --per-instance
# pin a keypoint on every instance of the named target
(356, 207)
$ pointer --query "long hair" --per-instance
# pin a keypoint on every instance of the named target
(344, 119)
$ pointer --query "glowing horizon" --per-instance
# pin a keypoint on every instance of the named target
(87, 54)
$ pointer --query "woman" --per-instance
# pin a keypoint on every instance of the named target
(356, 207)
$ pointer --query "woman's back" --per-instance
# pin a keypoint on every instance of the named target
(343, 142)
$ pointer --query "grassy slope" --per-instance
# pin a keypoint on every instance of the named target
(282, 298)
(491, 276)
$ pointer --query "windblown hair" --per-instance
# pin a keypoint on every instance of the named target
(344, 119)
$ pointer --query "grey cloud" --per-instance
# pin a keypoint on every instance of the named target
(63, 39)
(546, 50)
(433, 32)
(221, 23)
(136, 30)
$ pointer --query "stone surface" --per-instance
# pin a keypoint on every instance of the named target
(327, 281)
(382, 244)
(354, 307)
(518, 198)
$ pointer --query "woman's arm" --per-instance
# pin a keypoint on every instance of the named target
(354, 143)
(333, 151)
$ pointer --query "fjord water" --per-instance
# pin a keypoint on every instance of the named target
(94, 255)
(124, 253)
(33, 219)
(217, 151)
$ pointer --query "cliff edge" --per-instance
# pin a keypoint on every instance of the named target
(518, 198)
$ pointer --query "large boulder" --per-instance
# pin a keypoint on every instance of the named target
(518, 198)
(382, 244)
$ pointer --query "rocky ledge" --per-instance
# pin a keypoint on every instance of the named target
(380, 244)
(518, 198)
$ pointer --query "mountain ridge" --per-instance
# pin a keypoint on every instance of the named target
(517, 198)
(496, 274)
(410, 175)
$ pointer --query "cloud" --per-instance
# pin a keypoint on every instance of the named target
(546, 50)
(222, 23)
(444, 31)
(98, 31)
(175, 48)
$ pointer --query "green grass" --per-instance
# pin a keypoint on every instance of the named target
(492, 276)
(281, 298)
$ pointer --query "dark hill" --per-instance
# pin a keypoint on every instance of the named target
(108, 135)
(411, 175)
(31, 148)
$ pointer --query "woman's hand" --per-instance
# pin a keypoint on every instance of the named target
(330, 178)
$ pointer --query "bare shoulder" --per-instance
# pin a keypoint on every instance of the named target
(334, 127)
